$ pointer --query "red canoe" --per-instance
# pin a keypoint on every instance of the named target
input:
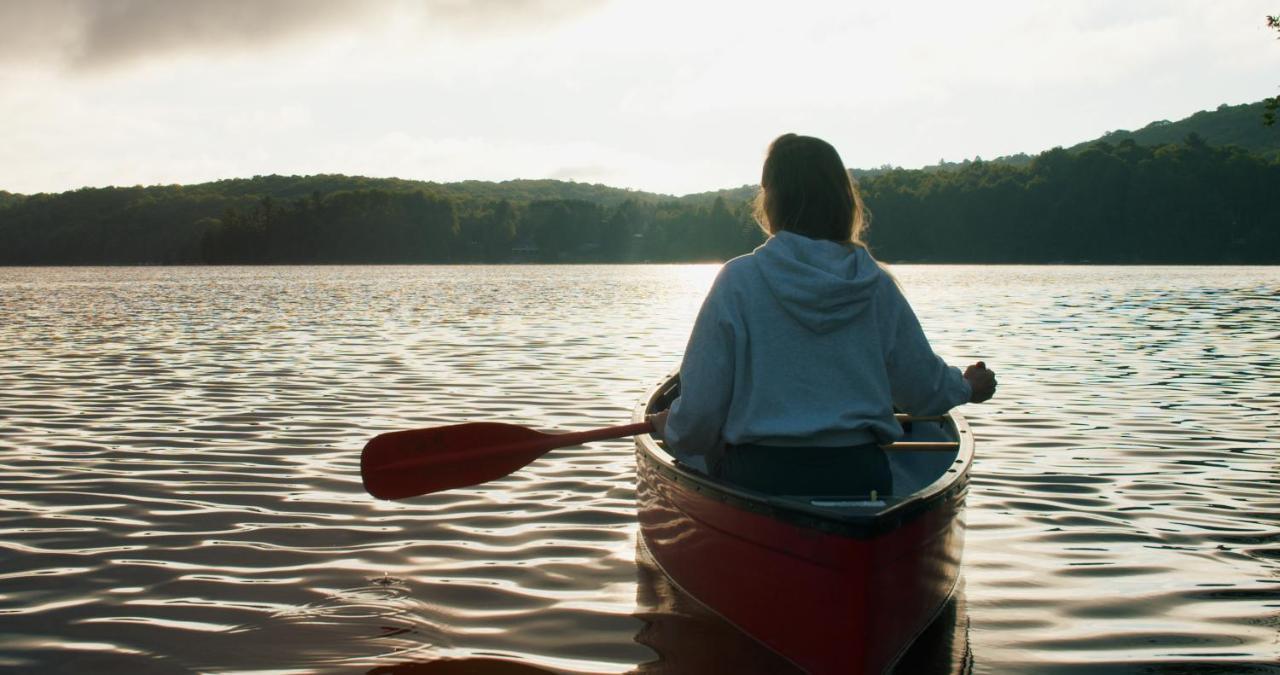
(834, 583)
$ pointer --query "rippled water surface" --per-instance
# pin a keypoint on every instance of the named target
(180, 487)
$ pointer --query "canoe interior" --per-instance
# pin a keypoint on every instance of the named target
(920, 477)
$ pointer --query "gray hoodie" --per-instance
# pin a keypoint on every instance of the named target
(805, 342)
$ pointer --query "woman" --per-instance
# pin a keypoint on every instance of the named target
(803, 348)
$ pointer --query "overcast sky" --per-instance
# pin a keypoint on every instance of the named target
(672, 97)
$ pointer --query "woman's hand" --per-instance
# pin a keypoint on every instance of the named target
(659, 421)
(981, 380)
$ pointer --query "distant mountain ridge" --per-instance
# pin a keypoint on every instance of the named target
(1227, 125)
(1127, 197)
(1238, 125)
(519, 190)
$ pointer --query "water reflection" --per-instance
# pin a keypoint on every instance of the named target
(466, 666)
(181, 492)
(943, 648)
(689, 638)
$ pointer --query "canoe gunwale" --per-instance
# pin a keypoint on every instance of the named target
(864, 523)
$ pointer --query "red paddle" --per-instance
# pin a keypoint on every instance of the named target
(403, 464)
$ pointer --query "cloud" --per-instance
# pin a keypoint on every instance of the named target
(499, 15)
(98, 34)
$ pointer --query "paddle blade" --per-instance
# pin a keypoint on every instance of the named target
(403, 464)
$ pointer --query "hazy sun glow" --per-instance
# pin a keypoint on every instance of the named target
(671, 97)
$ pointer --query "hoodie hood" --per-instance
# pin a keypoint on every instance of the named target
(822, 284)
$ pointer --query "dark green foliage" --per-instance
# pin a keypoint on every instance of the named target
(341, 219)
(563, 229)
(1228, 125)
(293, 187)
(1271, 105)
(732, 195)
(365, 226)
(1125, 203)
(487, 232)
(175, 224)
(1188, 202)
(157, 225)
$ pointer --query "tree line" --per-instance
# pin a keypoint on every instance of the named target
(1186, 202)
(379, 226)
(1123, 203)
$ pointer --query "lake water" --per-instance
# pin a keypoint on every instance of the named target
(180, 487)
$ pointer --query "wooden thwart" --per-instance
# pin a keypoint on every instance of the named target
(929, 446)
(933, 446)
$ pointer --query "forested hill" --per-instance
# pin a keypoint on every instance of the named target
(294, 187)
(1123, 202)
(1237, 125)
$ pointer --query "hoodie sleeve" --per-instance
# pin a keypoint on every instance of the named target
(922, 383)
(706, 383)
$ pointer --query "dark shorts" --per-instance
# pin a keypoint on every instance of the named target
(844, 471)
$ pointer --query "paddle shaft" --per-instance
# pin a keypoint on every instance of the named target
(541, 443)
(548, 442)
(401, 464)
(580, 437)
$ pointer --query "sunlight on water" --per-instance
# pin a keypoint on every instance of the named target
(180, 450)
